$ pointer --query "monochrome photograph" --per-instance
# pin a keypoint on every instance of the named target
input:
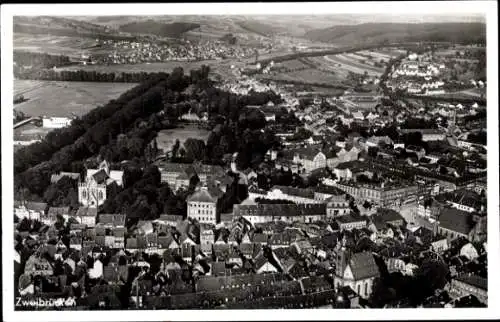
(202, 160)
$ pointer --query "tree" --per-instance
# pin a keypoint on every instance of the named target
(195, 149)
(175, 149)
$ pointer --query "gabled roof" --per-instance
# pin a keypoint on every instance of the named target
(54, 211)
(387, 215)
(202, 195)
(86, 212)
(100, 176)
(36, 206)
(363, 265)
(456, 220)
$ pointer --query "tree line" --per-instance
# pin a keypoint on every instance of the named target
(40, 60)
(83, 75)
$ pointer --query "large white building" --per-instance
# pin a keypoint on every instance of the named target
(202, 206)
(56, 122)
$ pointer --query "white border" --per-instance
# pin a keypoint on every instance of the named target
(430, 8)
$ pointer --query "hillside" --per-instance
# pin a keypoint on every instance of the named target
(174, 30)
(400, 32)
(260, 28)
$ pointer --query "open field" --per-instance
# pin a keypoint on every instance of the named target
(475, 92)
(52, 98)
(354, 66)
(306, 76)
(54, 45)
(217, 66)
(166, 138)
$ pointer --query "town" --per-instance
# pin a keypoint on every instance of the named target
(373, 197)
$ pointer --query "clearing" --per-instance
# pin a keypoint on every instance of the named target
(52, 98)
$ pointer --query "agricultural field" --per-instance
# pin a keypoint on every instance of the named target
(54, 45)
(216, 66)
(166, 138)
(290, 65)
(307, 76)
(61, 99)
(350, 64)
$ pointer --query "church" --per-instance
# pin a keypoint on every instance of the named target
(92, 192)
(356, 270)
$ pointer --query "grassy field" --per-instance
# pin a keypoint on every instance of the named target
(166, 138)
(350, 64)
(65, 98)
(306, 76)
(55, 45)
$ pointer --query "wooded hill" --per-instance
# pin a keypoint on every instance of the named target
(400, 32)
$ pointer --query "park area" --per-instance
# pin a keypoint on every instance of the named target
(65, 99)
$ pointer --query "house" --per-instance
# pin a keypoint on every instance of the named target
(427, 134)
(112, 220)
(53, 213)
(92, 192)
(440, 246)
(310, 158)
(38, 265)
(206, 241)
(337, 206)
(75, 243)
(469, 284)
(170, 220)
(31, 210)
(263, 265)
(356, 270)
(349, 222)
(87, 216)
(324, 192)
(202, 206)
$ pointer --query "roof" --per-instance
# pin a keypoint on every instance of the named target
(308, 152)
(322, 188)
(280, 210)
(36, 206)
(456, 220)
(387, 215)
(100, 176)
(349, 219)
(363, 265)
(304, 193)
(58, 211)
(423, 131)
(352, 165)
(173, 167)
(86, 211)
(202, 195)
(474, 280)
(463, 197)
(174, 218)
